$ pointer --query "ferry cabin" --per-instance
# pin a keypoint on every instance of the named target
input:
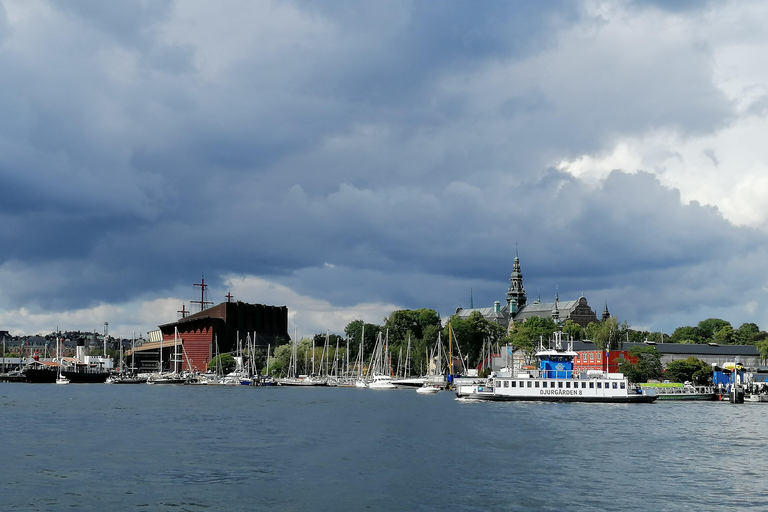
(556, 388)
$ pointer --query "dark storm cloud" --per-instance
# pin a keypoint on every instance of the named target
(390, 152)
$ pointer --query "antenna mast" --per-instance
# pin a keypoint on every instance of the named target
(203, 294)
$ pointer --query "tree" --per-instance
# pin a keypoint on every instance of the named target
(607, 333)
(280, 360)
(647, 364)
(691, 369)
(224, 363)
(527, 335)
(710, 326)
(354, 331)
(725, 335)
(420, 326)
(469, 335)
(762, 348)
(573, 329)
(747, 334)
(687, 334)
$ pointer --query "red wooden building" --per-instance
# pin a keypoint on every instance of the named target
(601, 360)
(192, 341)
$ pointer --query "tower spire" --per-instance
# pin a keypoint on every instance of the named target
(606, 314)
(516, 293)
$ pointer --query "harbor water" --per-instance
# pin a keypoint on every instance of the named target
(95, 447)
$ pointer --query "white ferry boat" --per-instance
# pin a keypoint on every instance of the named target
(555, 380)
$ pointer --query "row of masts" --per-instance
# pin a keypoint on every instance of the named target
(378, 363)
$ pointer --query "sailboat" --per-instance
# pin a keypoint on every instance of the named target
(382, 379)
(60, 379)
(407, 381)
(168, 378)
(300, 380)
(360, 382)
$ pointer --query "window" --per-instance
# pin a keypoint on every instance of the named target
(599, 385)
(599, 354)
(583, 385)
(568, 384)
(591, 357)
(591, 385)
(559, 384)
(537, 383)
(513, 384)
(530, 384)
(623, 386)
(615, 385)
(506, 383)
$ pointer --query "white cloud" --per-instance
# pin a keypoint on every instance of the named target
(306, 315)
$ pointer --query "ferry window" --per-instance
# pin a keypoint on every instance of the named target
(599, 385)
(622, 385)
(513, 384)
(591, 385)
(583, 385)
(530, 384)
(614, 385)
(537, 383)
(559, 384)
(567, 384)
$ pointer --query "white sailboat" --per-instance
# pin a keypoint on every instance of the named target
(382, 379)
(360, 381)
(60, 379)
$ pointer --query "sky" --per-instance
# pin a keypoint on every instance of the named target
(348, 159)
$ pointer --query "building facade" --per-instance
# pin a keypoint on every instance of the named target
(518, 309)
(192, 341)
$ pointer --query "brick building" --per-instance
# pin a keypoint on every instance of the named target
(192, 341)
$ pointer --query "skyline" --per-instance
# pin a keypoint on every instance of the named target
(350, 160)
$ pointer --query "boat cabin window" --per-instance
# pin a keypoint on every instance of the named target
(615, 386)
(583, 385)
(559, 384)
(599, 385)
(513, 384)
(537, 383)
(567, 384)
(506, 383)
(591, 385)
(530, 384)
(622, 385)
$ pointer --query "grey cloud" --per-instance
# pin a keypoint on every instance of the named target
(372, 151)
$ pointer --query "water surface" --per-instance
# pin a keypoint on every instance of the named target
(193, 448)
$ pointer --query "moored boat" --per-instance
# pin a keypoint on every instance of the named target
(381, 382)
(681, 392)
(555, 380)
(427, 390)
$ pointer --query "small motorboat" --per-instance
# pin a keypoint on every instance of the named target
(427, 390)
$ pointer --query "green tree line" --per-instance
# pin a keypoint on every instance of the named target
(470, 338)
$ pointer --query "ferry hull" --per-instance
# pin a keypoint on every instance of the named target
(490, 397)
